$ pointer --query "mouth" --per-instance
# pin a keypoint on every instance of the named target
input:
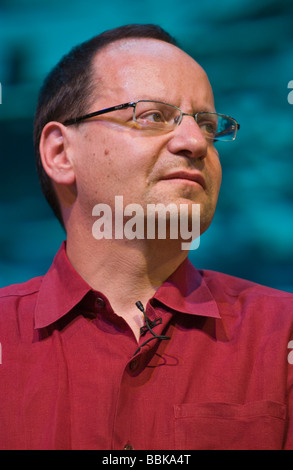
(187, 177)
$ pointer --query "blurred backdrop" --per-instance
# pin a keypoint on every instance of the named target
(246, 47)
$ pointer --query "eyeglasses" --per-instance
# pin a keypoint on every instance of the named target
(164, 117)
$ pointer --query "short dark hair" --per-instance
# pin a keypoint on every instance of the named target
(67, 90)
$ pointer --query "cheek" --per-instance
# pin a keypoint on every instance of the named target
(104, 175)
(216, 172)
(116, 163)
(219, 177)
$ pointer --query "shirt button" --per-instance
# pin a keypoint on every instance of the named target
(100, 302)
(133, 365)
(128, 447)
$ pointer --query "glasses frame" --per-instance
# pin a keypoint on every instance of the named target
(132, 104)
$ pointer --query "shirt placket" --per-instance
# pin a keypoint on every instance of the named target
(132, 412)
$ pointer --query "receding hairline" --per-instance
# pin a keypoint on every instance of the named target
(137, 46)
(133, 45)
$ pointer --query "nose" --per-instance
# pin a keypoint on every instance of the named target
(188, 140)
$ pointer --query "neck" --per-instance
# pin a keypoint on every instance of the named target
(128, 270)
(125, 271)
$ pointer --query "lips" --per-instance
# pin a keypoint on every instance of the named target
(196, 177)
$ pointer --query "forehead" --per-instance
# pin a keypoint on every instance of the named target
(149, 68)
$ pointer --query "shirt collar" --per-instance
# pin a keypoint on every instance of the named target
(186, 291)
(62, 288)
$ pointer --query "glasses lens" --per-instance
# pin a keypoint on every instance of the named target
(217, 126)
(227, 128)
(157, 115)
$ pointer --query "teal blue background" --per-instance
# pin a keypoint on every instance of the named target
(245, 46)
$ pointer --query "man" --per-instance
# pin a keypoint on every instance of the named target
(123, 344)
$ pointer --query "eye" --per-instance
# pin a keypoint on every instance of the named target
(151, 116)
(208, 127)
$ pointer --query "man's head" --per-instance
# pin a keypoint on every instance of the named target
(108, 155)
(68, 89)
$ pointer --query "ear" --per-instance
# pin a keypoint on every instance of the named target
(55, 155)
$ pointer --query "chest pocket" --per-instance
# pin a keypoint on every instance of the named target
(226, 426)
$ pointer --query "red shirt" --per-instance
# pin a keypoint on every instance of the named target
(69, 378)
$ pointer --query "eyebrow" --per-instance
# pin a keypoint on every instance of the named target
(167, 101)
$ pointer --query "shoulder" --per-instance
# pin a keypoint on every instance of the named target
(18, 299)
(230, 289)
(24, 289)
(246, 305)
(236, 284)
(17, 306)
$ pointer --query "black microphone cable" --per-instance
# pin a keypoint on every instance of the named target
(148, 327)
